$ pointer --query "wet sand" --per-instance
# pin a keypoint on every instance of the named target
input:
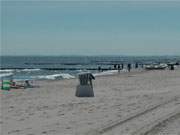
(53, 109)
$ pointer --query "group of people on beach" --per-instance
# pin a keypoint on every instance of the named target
(129, 66)
(16, 86)
(120, 67)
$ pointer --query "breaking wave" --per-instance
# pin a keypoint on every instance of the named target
(5, 75)
(55, 76)
(30, 70)
(6, 70)
(110, 72)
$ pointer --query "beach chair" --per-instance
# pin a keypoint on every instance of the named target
(85, 88)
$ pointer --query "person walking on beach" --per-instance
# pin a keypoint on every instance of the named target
(172, 67)
(99, 69)
(129, 67)
(136, 65)
(119, 68)
(122, 66)
(115, 66)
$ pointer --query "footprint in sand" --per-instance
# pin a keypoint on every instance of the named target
(14, 131)
(22, 119)
(30, 114)
(44, 132)
(119, 115)
(68, 127)
(61, 114)
(89, 123)
(49, 132)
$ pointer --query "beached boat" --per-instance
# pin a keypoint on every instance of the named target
(156, 67)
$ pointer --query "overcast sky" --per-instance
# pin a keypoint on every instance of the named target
(90, 28)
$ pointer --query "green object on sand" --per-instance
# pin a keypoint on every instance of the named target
(6, 85)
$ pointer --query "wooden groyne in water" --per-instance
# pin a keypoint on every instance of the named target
(60, 68)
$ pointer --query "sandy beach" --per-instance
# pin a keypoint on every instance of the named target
(124, 104)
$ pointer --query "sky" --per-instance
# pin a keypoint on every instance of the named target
(90, 28)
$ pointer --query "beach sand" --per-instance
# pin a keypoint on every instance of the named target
(53, 109)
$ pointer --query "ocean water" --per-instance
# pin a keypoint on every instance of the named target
(66, 67)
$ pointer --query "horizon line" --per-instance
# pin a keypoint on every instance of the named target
(90, 55)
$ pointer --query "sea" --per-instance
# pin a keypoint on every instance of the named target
(67, 67)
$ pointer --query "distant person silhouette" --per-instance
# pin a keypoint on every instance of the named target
(136, 65)
(115, 66)
(129, 67)
(119, 68)
(122, 66)
(99, 69)
(172, 67)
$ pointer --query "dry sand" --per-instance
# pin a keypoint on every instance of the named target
(53, 109)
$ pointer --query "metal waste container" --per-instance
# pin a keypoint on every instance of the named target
(85, 88)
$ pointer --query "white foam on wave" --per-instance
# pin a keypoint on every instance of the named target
(56, 76)
(109, 72)
(124, 70)
(5, 75)
(30, 70)
(6, 70)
